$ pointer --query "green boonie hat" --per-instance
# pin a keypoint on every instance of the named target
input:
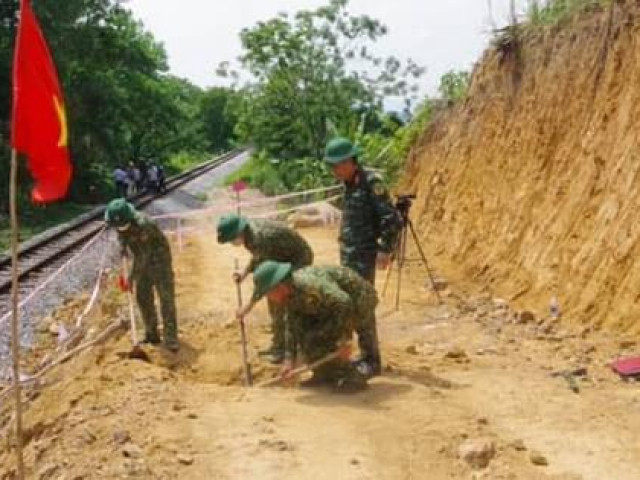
(119, 212)
(340, 149)
(230, 226)
(267, 276)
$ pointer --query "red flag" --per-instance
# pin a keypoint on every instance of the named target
(39, 125)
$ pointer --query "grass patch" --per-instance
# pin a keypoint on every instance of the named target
(260, 173)
(34, 219)
(552, 12)
(180, 162)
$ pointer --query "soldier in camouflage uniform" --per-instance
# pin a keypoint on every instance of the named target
(266, 240)
(151, 269)
(369, 230)
(322, 306)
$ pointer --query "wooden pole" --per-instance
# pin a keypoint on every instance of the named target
(15, 328)
(248, 377)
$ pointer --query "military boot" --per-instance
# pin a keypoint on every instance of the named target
(350, 381)
(151, 338)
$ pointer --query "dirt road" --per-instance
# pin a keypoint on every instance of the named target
(459, 373)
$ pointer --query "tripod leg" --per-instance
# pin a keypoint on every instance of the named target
(394, 258)
(424, 260)
(386, 278)
(401, 257)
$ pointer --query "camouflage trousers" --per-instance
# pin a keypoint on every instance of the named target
(319, 337)
(364, 264)
(277, 326)
(317, 343)
(361, 262)
(161, 281)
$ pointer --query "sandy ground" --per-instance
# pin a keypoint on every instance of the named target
(457, 372)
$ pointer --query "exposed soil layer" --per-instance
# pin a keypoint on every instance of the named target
(532, 185)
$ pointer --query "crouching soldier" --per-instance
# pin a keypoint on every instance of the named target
(266, 240)
(151, 269)
(322, 306)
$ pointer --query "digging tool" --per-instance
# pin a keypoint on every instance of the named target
(300, 370)
(248, 378)
(305, 368)
(136, 351)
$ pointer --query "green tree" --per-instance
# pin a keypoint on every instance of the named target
(315, 74)
(219, 112)
(122, 104)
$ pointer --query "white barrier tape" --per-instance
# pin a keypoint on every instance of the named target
(277, 198)
(88, 307)
(63, 358)
(96, 290)
(184, 230)
(53, 276)
(297, 207)
(223, 207)
(92, 299)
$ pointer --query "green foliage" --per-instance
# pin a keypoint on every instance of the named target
(454, 85)
(551, 12)
(122, 105)
(182, 161)
(36, 219)
(219, 112)
(273, 176)
(388, 153)
(260, 173)
(315, 76)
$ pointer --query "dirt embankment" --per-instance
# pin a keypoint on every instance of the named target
(532, 185)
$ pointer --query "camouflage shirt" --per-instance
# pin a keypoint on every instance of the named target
(323, 306)
(269, 240)
(369, 221)
(147, 243)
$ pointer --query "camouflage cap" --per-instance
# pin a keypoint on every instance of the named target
(267, 276)
(340, 149)
(119, 212)
(230, 226)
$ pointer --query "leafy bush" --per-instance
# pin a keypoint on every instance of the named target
(260, 173)
(183, 161)
(388, 153)
(454, 85)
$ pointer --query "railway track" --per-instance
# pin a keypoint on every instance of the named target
(46, 253)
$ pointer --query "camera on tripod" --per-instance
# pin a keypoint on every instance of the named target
(403, 203)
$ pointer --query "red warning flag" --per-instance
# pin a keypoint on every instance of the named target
(39, 123)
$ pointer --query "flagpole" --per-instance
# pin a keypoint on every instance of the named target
(15, 329)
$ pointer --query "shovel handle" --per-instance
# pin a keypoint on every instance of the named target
(300, 370)
(248, 378)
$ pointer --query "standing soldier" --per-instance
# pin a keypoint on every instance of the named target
(369, 230)
(266, 240)
(151, 269)
(321, 307)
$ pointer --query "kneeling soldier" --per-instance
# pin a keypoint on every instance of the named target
(266, 240)
(151, 269)
(322, 306)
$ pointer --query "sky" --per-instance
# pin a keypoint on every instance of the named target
(440, 35)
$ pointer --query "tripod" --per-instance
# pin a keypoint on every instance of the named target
(403, 205)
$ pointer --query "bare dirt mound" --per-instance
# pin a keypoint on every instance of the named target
(532, 185)
(466, 394)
